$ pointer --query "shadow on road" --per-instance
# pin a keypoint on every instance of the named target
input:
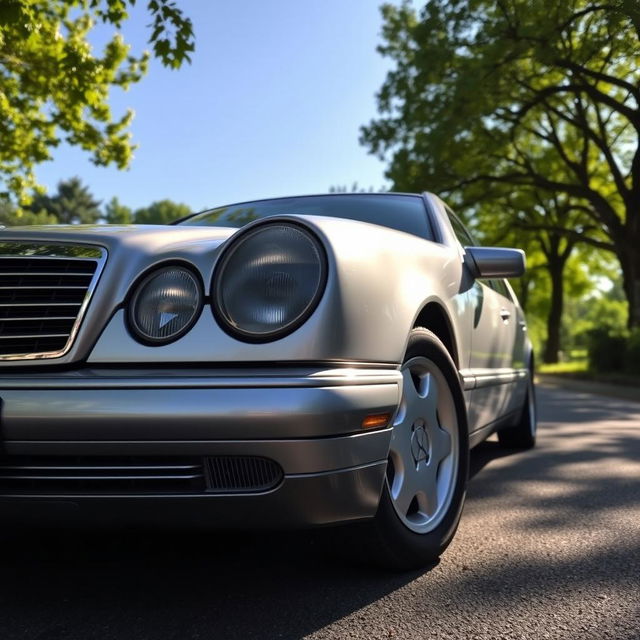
(161, 586)
(150, 585)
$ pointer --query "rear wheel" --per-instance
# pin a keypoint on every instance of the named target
(523, 434)
(427, 469)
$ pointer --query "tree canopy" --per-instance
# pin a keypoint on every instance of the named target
(531, 95)
(54, 87)
(161, 212)
(117, 213)
(71, 204)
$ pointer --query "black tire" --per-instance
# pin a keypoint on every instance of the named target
(386, 541)
(522, 435)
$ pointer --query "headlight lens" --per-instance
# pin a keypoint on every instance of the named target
(269, 281)
(165, 305)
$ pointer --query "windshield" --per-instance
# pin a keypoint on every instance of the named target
(402, 212)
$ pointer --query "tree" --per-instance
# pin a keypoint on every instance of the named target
(53, 87)
(484, 91)
(12, 216)
(538, 216)
(354, 188)
(71, 204)
(161, 212)
(117, 213)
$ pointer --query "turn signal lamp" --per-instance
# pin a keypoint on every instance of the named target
(376, 421)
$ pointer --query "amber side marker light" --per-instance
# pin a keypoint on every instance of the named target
(376, 421)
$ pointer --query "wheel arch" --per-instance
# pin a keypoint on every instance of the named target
(434, 317)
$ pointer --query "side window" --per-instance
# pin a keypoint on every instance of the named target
(497, 284)
(464, 237)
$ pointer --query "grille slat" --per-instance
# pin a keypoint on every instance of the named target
(94, 468)
(21, 319)
(95, 475)
(46, 273)
(41, 287)
(42, 296)
(35, 335)
(43, 304)
(111, 479)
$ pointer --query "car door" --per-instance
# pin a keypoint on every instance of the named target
(490, 366)
(509, 330)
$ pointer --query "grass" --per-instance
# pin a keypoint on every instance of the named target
(578, 369)
(573, 366)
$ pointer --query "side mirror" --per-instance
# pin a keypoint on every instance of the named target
(495, 262)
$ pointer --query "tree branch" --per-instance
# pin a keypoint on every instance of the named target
(576, 236)
(596, 95)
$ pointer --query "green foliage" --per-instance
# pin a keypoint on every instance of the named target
(71, 204)
(497, 102)
(116, 213)
(11, 216)
(54, 87)
(607, 352)
(615, 351)
(161, 212)
(606, 312)
(633, 352)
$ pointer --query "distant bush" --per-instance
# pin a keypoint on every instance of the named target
(614, 352)
(632, 359)
(607, 352)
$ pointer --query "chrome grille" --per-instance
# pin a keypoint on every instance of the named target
(44, 292)
(95, 475)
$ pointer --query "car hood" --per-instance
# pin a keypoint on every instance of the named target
(143, 238)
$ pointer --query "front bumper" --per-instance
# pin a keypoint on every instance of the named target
(309, 421)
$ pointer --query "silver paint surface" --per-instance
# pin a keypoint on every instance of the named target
(300, 399)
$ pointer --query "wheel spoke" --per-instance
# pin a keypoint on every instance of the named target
(430, 403)
(429, 395)
(412, 401)
(428, 499)
(440, 443)
(401, 442)
(408, 490)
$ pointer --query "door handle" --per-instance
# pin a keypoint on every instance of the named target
(505, 314)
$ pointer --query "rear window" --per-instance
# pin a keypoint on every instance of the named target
(402, 212)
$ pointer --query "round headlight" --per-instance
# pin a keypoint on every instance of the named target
(269, 281)
(165, 305)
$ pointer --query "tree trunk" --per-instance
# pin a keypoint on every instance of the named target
(630, 263)
(554, 319)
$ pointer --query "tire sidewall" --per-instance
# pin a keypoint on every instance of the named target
(413, 549)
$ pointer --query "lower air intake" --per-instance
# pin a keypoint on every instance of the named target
(100, 475)
(242, 474)
(135, 475)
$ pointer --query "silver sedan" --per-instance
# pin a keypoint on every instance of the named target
(303, 361)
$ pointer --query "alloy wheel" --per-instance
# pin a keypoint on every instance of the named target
(424, 452)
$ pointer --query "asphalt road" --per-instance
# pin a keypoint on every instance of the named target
(548, 547)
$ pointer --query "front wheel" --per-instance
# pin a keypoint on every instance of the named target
(427, 469)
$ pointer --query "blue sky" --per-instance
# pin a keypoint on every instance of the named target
(271, 105)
